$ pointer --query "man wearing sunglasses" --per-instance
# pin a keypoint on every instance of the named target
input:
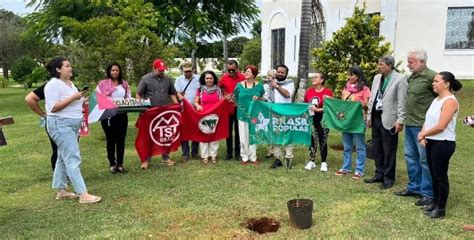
(186, 87)
(227, 83)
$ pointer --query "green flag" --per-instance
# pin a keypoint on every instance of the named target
(344, 116)
(279, 123)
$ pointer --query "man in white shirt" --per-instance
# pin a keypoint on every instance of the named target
(186, 87)
(283, 91)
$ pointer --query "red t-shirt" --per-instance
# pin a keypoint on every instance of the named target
(316, 98)
(228, 83)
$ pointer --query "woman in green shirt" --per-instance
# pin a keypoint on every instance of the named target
(246, 92)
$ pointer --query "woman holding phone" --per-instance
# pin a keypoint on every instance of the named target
(64, 114)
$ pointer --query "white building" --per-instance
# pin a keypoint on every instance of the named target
(444, 28)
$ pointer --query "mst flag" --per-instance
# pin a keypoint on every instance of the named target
(279, 123)
(100, 107)
(344, 116)
(159, 131)
(206, 126)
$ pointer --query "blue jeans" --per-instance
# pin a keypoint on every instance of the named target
(348, 140)
(64, 132)
(419, 178)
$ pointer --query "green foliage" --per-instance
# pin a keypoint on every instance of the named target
(11, 27)
(39, 74)
(22, 69)
(127, 39)
(358, 42)
(252, 53)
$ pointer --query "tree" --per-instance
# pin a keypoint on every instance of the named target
(358, 42)
(252, 53)
(125, 38)
(23, 67)
(256, 29)
(11, 26)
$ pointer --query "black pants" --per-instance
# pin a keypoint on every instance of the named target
(321, 134)
(194, 148)
(384, 146)
(438, 154)
(233, 127)
(54, 147)
(115, 130)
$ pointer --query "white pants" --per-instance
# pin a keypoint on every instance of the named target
(247, 151)
(288, 151)
(209, 149)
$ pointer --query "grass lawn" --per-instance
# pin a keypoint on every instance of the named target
(196, 201)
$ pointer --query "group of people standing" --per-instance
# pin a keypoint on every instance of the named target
(424, 103)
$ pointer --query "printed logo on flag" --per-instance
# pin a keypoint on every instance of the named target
(262, 123)
(286, 123)
(341, 116)
(164, 128)
(208, 124)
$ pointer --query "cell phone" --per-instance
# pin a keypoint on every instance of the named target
(85, 88)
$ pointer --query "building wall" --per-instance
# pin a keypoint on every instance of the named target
(276, 14)
(407, 25)
(419, 26)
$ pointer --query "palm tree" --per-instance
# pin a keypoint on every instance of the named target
(312, 19)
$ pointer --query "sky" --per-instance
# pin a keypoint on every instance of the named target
(16, 6)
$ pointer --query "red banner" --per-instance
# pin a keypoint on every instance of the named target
(159, 131)
(206, 126)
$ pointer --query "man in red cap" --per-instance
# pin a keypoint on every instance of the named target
(227, 83)
(160, 90)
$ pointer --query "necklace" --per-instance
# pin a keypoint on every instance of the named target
(245, 83)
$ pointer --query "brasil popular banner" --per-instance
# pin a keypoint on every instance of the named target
(280, 123)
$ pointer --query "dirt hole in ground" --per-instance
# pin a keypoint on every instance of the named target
(262, 225)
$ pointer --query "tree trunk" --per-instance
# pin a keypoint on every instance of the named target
(226, 51)
(303, 54)
(193, 60)
(4, 83)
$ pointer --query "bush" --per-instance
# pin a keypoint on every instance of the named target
(23, 67)
(252, 53)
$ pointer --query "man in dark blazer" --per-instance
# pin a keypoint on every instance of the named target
(386, 116)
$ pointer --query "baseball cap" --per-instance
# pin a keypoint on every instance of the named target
(159, 64)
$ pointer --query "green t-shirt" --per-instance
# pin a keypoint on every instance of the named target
(244, 96)
(419, 97)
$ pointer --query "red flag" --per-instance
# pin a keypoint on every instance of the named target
(206, 126)
(159, 131)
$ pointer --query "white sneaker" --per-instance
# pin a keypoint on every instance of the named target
(310, 165)
(324, 167)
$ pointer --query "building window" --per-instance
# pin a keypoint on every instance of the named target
(278, 47)
(460, 28)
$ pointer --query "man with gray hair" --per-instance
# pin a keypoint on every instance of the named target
(386, 116)
(419, 97)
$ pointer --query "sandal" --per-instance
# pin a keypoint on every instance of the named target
(90, 199)
(169, 162)
(61, 195)
(213, 160)
(205, 160)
